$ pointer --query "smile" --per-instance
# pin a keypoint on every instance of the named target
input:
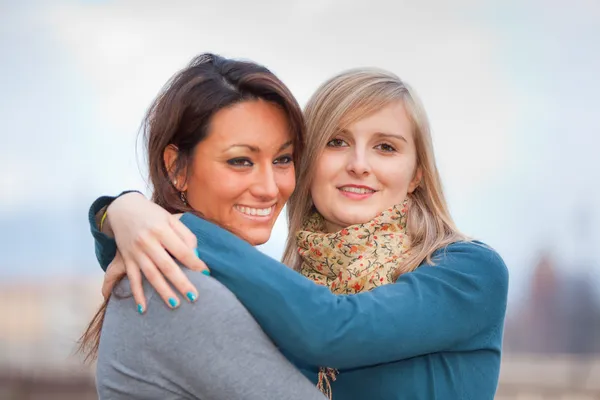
(356, 192)
(359, 190)
(255, 212)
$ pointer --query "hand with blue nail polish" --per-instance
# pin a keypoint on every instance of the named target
(191, 296)
(150, 241)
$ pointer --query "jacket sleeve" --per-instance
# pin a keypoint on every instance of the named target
(456, 305)
(105, 246)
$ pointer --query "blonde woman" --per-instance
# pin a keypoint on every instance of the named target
(391, 301)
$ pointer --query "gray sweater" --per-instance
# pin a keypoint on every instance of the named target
(209, 350)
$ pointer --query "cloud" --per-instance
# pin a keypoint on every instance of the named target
(128, 50)
(511, 90)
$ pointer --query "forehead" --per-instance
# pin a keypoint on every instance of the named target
(255, 122)
(390, 119)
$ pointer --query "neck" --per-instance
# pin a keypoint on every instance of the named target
(335, 256)
(331, 227)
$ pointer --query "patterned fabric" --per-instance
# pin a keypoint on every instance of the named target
(356, 259)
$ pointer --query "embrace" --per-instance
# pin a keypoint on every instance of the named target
(378, 296)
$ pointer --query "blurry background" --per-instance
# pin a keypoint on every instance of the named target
(511, 87)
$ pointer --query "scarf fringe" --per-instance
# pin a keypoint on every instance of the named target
(324, 385)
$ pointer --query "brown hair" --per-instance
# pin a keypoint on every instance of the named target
(348, 97)
(180, 116)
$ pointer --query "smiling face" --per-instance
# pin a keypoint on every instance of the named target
(367, 167)
(242, 174)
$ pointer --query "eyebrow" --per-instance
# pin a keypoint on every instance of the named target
(255, 149)
(393, 135)
(382, 134)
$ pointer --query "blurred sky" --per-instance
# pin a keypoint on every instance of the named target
(511, 88)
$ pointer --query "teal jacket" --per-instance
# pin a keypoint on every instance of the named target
(436, 333)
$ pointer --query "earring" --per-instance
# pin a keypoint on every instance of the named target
(182, 197)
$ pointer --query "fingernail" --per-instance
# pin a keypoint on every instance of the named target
(140, 309)
(191, 296)
(172, 302)
(206, 272)
(196, 252)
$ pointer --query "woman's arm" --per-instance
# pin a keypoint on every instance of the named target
(105, 246)
(146, 236)
(457, 305)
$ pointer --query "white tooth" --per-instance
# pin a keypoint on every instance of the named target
(255, 211)
(357, 190)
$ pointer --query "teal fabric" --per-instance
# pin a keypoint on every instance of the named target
(434, 334)
(105, 247)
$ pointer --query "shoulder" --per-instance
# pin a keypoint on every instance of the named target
(475, 261)
(470, 254)
(473, 248)
(213, 296)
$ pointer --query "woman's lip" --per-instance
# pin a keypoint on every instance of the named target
(357, 186)
(356, 196)
(262, 207)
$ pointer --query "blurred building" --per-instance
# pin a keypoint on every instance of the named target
(552, 337)
(39, 328)
(560, 314)
(549, 377)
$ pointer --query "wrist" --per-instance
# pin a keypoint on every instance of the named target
(112, 210)
(122, 198)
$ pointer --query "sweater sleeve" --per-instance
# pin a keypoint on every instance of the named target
(105, 246)
(456, 305)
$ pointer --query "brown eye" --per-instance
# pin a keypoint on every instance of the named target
(385, 148)
(240, 162)
(284, 160)
(336, 143)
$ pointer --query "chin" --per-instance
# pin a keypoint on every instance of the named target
(358, 218)
(256, 238)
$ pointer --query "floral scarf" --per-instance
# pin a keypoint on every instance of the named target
(356, 259)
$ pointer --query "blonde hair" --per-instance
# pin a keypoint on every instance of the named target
(349, 97)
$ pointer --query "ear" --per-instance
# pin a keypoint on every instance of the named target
(170, 158)
(416, 181)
